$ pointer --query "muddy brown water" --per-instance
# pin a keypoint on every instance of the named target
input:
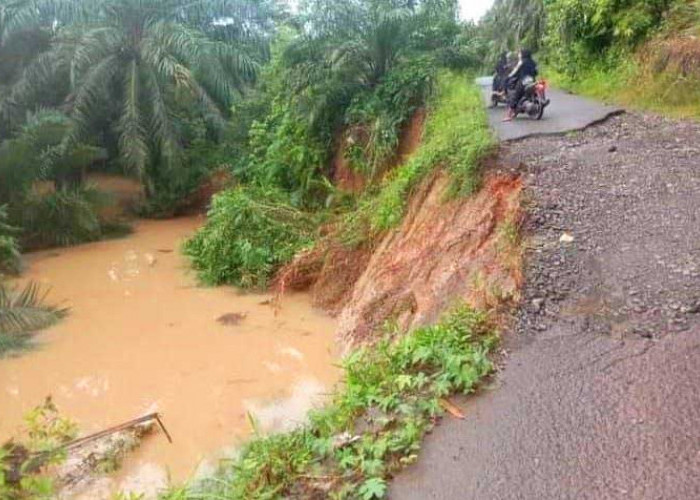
(142, 337)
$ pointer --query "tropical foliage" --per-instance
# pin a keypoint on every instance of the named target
(342, 76)
(249, 233)
(22, 462)
(23, 312)
(581, 33)
(135, 80)
(364, 65)
(511, 24)
(9, 246)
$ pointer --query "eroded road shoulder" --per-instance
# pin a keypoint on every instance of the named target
(598, 398)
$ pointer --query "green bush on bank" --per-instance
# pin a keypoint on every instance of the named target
(250, 232)
(373, 426)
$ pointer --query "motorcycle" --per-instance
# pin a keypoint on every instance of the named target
(533, 102)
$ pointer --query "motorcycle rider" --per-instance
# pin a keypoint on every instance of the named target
(522, 75)
(500, 73)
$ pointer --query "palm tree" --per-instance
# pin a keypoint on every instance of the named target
(129, 62)
(512, 24)
(362, 40)
(378, 43)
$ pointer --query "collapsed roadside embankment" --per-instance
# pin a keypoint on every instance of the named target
(443, 248)
(464, 249)
(415, 270)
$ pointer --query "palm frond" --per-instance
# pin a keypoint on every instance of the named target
(133, 144)
(25, 311)
(39, 73)
(90, 48)
(160, 120)
(91, 91)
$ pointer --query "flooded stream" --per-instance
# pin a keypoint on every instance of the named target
(143, 337)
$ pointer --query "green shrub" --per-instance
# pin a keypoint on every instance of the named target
(286, 154)
(22, 462)
(250, 232)
(61, 218)
(581, 33)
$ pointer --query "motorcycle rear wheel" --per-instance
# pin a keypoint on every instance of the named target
(537, 110)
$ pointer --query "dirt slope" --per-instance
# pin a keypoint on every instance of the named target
(598, 399)
(442, 252)
(464, 249)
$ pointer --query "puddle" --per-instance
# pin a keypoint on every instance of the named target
(142, 337)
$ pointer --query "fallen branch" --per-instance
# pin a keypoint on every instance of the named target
(76, 443)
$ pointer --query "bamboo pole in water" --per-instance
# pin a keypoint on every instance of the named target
(112, 430)
(21, 463)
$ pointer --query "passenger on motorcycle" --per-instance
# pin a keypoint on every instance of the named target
(522, 75)
(501, 73)
(506, 62)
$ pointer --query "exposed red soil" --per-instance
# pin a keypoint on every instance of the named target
(464, 249)
(411, 136)
(329, 271)
(444, 251)
(342, 268)
(217, 181)
(347, 179)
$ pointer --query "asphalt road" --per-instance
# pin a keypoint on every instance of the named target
(599, 395)
(575, 417)
(566, 112)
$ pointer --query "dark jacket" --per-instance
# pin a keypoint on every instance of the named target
(527, 67)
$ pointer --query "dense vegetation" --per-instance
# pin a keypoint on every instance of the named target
(640, 52)
(138, 87)
(349, 80)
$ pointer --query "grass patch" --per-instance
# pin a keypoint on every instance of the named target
(390, 398)
(630, 84)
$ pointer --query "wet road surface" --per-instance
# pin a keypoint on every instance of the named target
(598, 398)
(566, 112)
